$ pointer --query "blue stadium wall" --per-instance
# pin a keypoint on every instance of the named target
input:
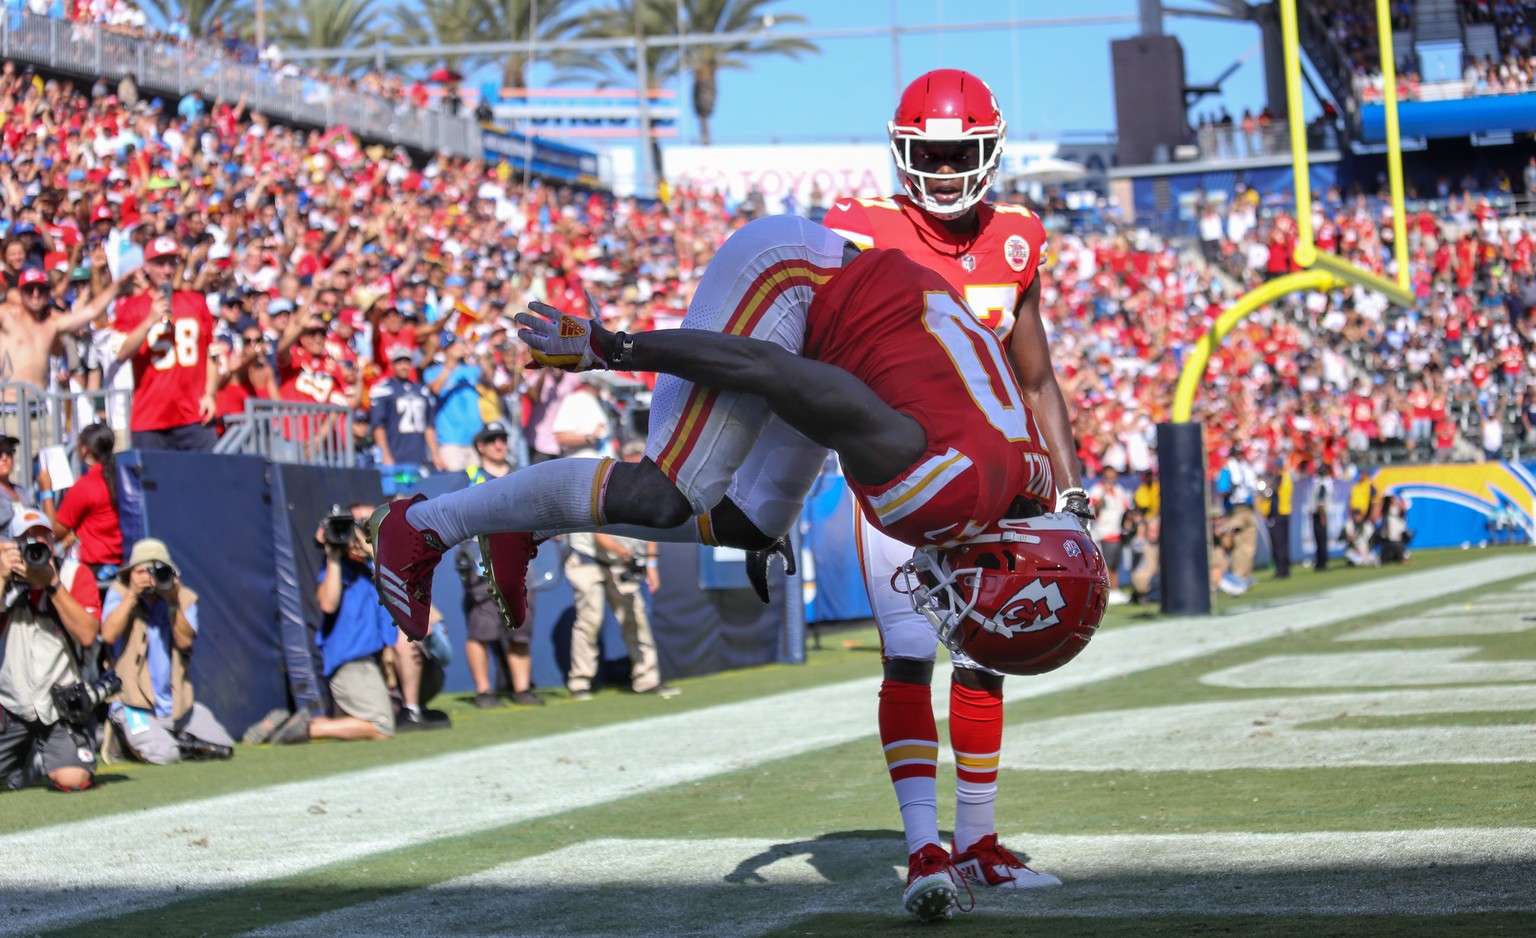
(242, 531)
(1464, 117)
(1170, 202)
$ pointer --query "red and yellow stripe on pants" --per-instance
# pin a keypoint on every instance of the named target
(750, 313)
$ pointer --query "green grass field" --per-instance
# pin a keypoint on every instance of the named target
(1343, 753)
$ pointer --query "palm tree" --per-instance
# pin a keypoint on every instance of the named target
(659, 18)
(455, 21)
(235, 14)
(704, 62)
(323, 24)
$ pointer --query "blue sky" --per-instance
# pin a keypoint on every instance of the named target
(1048, 81)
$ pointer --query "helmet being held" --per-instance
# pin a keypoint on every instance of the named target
(948, 106)
(1023, 598)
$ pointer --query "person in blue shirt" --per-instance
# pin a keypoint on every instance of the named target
(352, 637)
(455, 382)
(191, 107)
(149, 620)
(402, 413)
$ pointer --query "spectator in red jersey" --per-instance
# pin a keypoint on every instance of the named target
(305, 373)
(168, 332)
(88, 512)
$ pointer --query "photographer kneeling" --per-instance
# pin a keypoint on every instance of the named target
(51, 614)
(150, 623)
(352, 638)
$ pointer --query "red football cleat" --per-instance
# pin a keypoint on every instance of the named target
(403, 561)
(930, 894)
(989, 863)
(506, 558)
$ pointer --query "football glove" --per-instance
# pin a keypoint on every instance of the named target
(1075, 501)
(560, 340)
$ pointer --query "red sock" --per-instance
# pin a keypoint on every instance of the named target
(911, 742)
(976, 733)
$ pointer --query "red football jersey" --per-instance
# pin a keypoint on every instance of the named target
(991, 271)
(952, 376)
(170, 371)
(305, 377)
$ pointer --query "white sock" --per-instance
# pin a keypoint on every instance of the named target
(975, 805)
(918, 800)
(554, 496)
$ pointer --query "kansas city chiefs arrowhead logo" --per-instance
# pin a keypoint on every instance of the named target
(1031, 609)
(571, 327)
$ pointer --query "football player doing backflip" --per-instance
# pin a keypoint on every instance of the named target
(795, 343)
(947, 137)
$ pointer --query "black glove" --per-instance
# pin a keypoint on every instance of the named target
(1075, 501)
(757, 565)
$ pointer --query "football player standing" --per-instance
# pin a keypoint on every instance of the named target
(947, 138)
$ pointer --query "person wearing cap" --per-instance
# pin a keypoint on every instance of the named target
(29, 329)
(487, 633)
(401, 413)
(149, 621)
(167, 335)
(305, 373)
(52, 612)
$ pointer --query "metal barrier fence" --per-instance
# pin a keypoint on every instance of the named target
(168, 68)
(40, 419)
(290, 432)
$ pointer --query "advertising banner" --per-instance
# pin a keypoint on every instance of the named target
(790, 178)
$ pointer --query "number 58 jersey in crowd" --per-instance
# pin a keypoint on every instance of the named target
(170, 371)
(952, 376)
(990, 271)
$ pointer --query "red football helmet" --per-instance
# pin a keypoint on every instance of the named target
(948, 106)
(1023, 598)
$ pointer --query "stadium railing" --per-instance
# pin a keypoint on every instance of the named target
(39, 419)
(161, 67)
(291, 432)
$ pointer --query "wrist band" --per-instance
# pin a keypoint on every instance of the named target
(623, 352)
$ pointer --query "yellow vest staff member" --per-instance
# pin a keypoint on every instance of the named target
(1277, 494)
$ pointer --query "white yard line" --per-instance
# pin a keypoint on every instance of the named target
(1446, 625)
(733, 887)
(153, 857)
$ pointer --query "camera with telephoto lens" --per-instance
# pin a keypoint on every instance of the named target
(164, 574)
(77, 702)
(339, 527)
(35, 551)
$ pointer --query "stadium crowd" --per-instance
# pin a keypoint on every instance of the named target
(1351, 25)
(312, 242)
